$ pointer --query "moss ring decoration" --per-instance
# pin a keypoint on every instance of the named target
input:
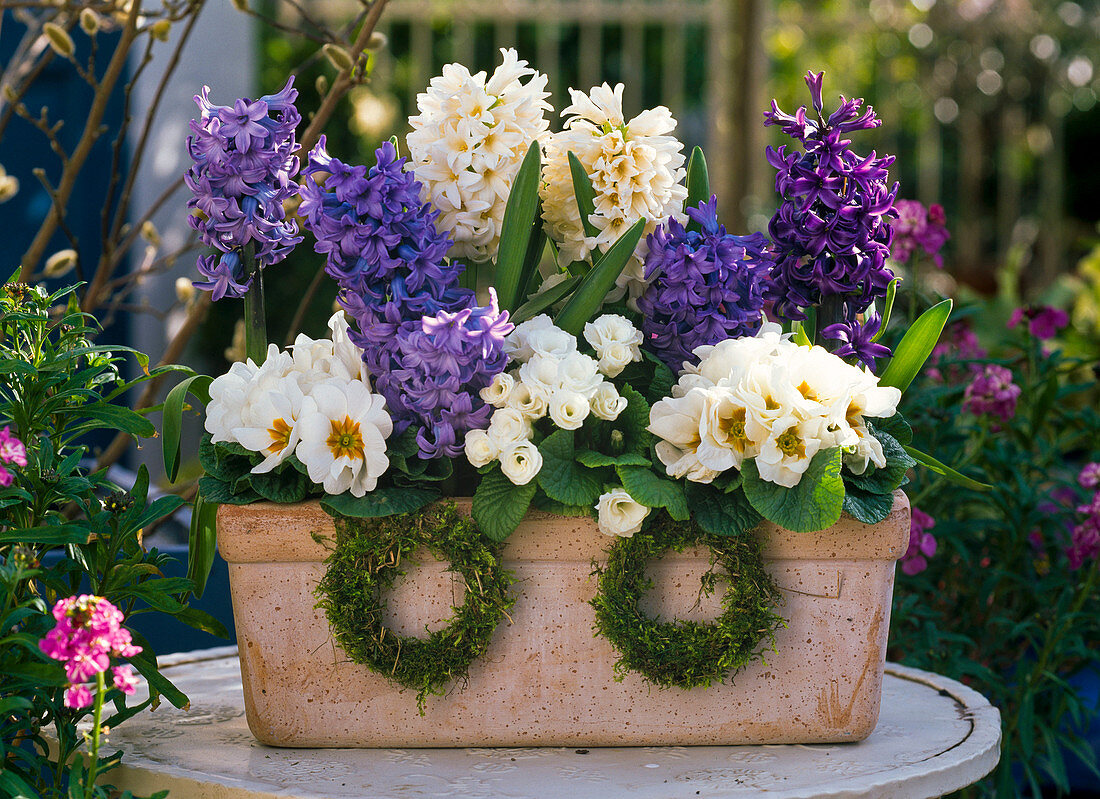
(687, 654)
(365, 563)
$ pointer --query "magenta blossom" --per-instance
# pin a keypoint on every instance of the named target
(958, 343)
(921, 227)
(12, 450)
(992, 393)
(1084, 542)
(1089, 476)
(922, 544)
(87, 634)
(1043, 322)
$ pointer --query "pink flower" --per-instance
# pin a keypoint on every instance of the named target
(992, 393)
(1043, 322)
(917, 226)
(959, 343)
(12, 449)
(78, 696)
(1084, 542)
(922, 544)
(1089, 476)
(5, 477)
(125, 680)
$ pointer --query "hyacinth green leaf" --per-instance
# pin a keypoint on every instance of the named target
(589, 296)
(544, 300)
(915, 346)
(698, 183)
(653, 491)
(813, 504)
(536, 243)
(379, 502)
(800, 338)
(561, 477)
(585, 194)
(174, 406)
(517, 229)
(201, 542)
(396, 142)
(887, 307)
(928, 462)
(499, 505)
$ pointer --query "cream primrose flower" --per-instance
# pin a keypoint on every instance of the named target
(269, 423)
(616, 341)
(551, 342)
(531, 405)
(540, 375)
(346, 352)
(228, 394)
(521, 462)
(343, 429)
(498, 391)
(580, 373)
(728, 432)
(508, 426)
(569, 409)
(480, 449)
(868, 399)
(636, 168)
(467, 144)
(619, 514)
(515, 343)
(676, 422)
(786, 454)
(606, 403)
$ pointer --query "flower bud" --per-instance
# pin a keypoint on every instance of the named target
(59, 39)
(338, 57)
(240, 5)
(149, 233)
(9, 186)
(185, 290)
(160, 29)
(60, 263)
(89, 21)
(377, 41)
(321, 84)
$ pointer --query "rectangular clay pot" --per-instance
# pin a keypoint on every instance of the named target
(547, 680)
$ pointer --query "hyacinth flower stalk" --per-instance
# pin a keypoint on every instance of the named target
(242, 174)
(832, 230)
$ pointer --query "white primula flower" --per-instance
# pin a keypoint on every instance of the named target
(637, 170)
(521, 462)
(228, 394)
(346, 356)
(269, 423)
(676, 422)
(866, 450)
(606, 403)
(467, 144)
(611, 329)
(568, 409)
(728, 433)
(786, 454)
(620, 514)
(497, 392)
(515, 343)
(480, 449)
(528, 403)
(508, 426)
(580, 373)
(614, 358)
(343, 429)
(540, 375)
(551, 342)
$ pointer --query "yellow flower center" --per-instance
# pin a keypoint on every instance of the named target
(280, 436)
(734, 428)
(807, 392)
(854, 415)
(790, 444)
(770, 403)
(345, 439)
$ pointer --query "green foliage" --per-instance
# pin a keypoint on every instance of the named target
(915, 346)
(698, 183)
(652, 491)
(499, 505)
(813, 504)
(365, 563)
(521, 225)
(58, 386)
(561, 477)
(721, 513)
(586, 301)
(686, 654)
(999, 605)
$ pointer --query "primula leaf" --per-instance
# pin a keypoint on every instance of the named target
(634, 420)
(589, 296)
(895, 426)
(721, 513)
(866, 506)
(663, 378)
(585, 194)
(887, 307)
(283, 484)
(544, 503)
(517, 229)
(174, 406)
(379, 502)
(561, 477)
(653, 491)
(698, 183)
(594, 459)
(221, 492)
(202, 541)
(885, 480)
(928, 462)
(542, 301)
(915, 346)
(813, 504)
(499, 505)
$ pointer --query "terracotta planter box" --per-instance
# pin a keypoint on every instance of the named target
(546, 679)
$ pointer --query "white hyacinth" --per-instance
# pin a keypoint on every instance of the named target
(467, 144)
(637, 171)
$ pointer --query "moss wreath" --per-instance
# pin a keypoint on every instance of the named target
(686, 654)
(366, 561)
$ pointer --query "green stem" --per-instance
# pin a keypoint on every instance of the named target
(255, 316)
(830, 311)
(97, 717)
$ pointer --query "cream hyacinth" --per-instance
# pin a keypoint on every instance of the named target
(637, 171)
(467, 144)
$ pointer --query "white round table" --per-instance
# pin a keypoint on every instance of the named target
(934, 736)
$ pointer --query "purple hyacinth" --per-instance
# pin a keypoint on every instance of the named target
(858, 340)
(832, 231)
(243, 165)
(706, 285)
(429, 347)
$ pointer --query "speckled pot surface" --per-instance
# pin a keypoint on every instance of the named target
(547, 680)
